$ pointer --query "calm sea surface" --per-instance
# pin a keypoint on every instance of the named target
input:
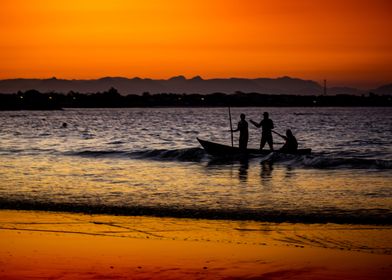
(148, 162)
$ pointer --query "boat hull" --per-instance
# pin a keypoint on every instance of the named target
(216, 149)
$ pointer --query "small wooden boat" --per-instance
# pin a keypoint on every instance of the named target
(216, 149)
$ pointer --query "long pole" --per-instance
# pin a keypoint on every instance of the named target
(231, 129)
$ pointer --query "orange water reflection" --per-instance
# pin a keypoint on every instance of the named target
(233, 186)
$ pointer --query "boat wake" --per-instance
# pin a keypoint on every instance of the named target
(329, 161)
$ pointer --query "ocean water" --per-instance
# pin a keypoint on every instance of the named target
(148, 162)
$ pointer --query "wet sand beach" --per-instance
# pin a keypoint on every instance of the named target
(55, 245)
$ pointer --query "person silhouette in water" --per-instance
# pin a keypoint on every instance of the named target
(291, 144)
(266, 134)
(244, 134)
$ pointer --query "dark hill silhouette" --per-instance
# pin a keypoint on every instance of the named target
(180, 85)
(383, 90)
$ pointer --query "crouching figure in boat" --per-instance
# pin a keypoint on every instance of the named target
(291, 144)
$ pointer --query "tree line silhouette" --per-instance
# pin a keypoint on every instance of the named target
(35, 100)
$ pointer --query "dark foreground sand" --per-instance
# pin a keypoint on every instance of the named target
(42, 245)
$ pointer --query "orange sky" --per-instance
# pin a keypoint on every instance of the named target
(348, 42)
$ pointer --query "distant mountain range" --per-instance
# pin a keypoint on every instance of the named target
(179, 84)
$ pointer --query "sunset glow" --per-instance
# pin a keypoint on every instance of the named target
(346, 42)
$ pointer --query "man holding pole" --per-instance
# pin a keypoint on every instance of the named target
(244, 135)
(266, 133)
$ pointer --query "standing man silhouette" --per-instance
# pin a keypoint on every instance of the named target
(266, 134)
(244, 135)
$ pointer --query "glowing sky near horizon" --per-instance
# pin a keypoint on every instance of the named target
(346, 42)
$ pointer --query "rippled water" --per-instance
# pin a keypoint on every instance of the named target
(148, 161)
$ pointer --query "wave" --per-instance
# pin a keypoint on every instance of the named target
(337, 216)
(188, 154)
(337, 160)
(316, 160)
(99, 153)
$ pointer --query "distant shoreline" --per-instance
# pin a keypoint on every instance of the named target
(35, 100)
